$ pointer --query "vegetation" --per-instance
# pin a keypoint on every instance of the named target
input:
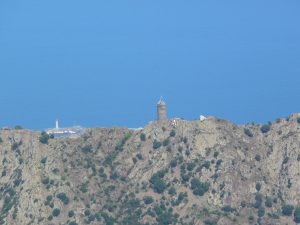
(63, 197)
(265, 128)
(143, 137)
(156, 144)
(198, 187)
(56, 212)
(44, 138)
(158, 184)
(287, 210)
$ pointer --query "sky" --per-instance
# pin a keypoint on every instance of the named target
(106, 63)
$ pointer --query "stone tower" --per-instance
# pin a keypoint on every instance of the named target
(161, 110)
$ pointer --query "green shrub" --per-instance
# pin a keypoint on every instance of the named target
(172, 133)
(87, 149)
(265, 128)
(258, 186)
(257, 157)
(173, 163)
(287, 210)
(63, 197)
(248, 132)
(172, 191)
(156, 144)
(56, 212)
(73, 223)
(71, 213)
(44, 160)
(261, 212)
(158, 184)
(143, 137)
(210, 222)
(297, 215)
(198, 187)
(228, 209)
(269, 202)
(166, 142)
(44, 138)
(148, 200)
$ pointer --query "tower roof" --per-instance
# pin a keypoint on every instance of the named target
(161, 101)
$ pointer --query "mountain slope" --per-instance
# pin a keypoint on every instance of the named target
(197, 172)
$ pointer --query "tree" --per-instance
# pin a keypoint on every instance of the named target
(143, 137)
(198, 187)
(173, 133)
(56, 212)
(297, 215)
(287, 210)
(265, 128)
(156, 144)
(148, 200)
(44, 138)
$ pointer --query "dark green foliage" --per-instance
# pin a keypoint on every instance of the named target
(210, 222)
(44, 160)
(198, 187)
(248, 132)
(257, 157)
(63, 197)
(258, 186)
(228, 209)
(84, 187)
(148, 200)
(139, 156)
(56, 212)
(71, 213)
(1, 140)
(269, 202)
(173, 163)
(44, 138)
(297, 215)
(190, 166)
(265, 128)
(110, 158)
(87, 212)
(206, 164)
(143, 137)
(158, 184)
(172, 191)
(166, 142)
(287, 210)
(120, 145)
(87, 149)
(172, 133)
(108, 219)
(45, 180)
(216, 154)
(156, 144)
(258, 200)
(73, 223)
(261, 212)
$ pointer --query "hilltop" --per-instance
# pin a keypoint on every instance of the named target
(191, 172)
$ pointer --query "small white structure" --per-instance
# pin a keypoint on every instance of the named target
(202, 118)
(64, 132)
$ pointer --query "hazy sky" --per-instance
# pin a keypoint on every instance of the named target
(104, 63)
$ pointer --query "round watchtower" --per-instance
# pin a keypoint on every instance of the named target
(161, 110)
